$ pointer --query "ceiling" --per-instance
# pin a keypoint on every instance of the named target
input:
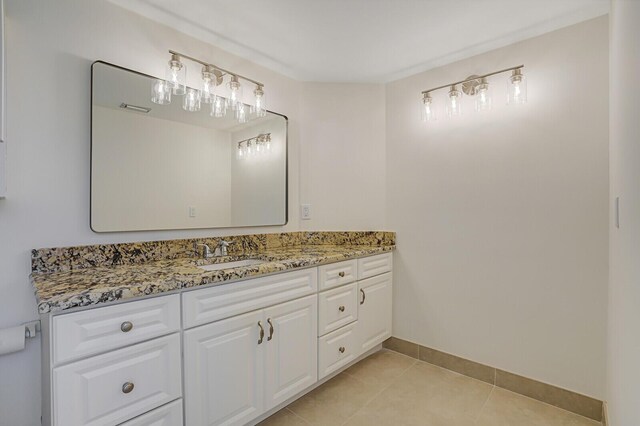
(363, 40)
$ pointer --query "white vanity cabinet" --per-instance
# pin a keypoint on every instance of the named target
(221, 355)
(237, 368)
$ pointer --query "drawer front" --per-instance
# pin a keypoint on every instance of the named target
(212, 304)
(336, 274)
(337, 307)
(97, 391)
(167, 415)
(99, 330)
(335, 350)
(374, 265)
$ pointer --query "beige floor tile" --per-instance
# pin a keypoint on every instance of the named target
(505, 408)
(335, 401)
(283, 417)
(381, 368)
(426, 395)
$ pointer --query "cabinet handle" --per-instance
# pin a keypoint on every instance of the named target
(341, 349)
(270, 330)
(127, 387)
(126, 326)
(341, 308)
(364, 297)
(261, 332)
(341, 274)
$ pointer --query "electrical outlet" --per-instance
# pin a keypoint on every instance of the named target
(305, 211)
(192, 211)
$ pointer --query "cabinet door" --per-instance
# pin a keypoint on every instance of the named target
(291, 352)
(223, 365)
(374, 311)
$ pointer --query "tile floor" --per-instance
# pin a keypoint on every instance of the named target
(388, 388)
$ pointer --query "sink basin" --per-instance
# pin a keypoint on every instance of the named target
(227, 265)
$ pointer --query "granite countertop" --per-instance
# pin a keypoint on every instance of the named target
(61, 290)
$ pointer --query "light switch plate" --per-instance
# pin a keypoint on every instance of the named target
(305, 211)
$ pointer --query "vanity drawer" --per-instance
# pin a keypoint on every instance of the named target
(102, 329)
(167, 415)
(109, 389)
(335, 350)
(335, 274)
(337, 307)
(374, 265)
(215, 303)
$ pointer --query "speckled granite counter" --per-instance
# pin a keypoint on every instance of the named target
(65, 278)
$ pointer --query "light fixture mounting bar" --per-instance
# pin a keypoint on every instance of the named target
(255, 137)
(191, 58)
(475, 78)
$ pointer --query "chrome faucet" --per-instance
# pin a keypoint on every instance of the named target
(206, 251)
(221, 249)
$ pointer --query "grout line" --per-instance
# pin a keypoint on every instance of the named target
(297, 415)
(484, 405)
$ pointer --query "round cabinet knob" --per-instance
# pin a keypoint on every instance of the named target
(341, 349)
(341, 308)
(126, 326)
(127, 387)
(341, 274)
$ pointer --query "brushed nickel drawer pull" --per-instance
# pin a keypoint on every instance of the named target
(127, 387)
(126, 326)
(341, 274)
(364, 297)
(261, 339)
(341, 349)
(341, 308)
(270, 330)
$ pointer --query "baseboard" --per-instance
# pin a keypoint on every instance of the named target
(553, 395)
(605, 414)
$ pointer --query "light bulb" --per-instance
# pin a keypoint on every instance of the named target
(161, 93)
(454, 105)
(241, 113)
(176, 75)
(259, 108)
(517, 90)
(191, 101)
(428, 111)
(235, 92)
(218, 107)
(208, 84)
(268, 142)
(483, 99)
(240, 151)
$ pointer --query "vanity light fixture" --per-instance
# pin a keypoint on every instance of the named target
(213, 76)
(478, 86)
(257, 145)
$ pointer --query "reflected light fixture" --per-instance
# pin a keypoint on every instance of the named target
(478, 87)
(212, 76)
(256, 146)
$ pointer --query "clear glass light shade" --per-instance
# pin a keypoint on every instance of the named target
(241, 152)
(259, 108)
(242, 113)
(483, 98)
(208, 84)
(218, 107)
(428, 109)
(191, 100)
(176, 76)
(235, 93)
(454, 103)
(517, 88)
(161, 93)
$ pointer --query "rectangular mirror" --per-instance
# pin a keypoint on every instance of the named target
(157, 167)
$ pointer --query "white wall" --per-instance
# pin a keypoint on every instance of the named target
(502, 218)
(50, 48)
(142, 182)
(343, 155)
(623, 374)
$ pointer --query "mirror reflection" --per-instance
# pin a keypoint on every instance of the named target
(163, 166)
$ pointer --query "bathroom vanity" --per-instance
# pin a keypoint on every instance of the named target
(208, 347)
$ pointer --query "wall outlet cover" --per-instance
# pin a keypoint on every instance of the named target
(305, 211)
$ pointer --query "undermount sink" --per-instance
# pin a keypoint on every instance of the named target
(227, 265)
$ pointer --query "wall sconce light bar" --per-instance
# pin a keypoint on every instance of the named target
(215, 67)
(472, 79)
